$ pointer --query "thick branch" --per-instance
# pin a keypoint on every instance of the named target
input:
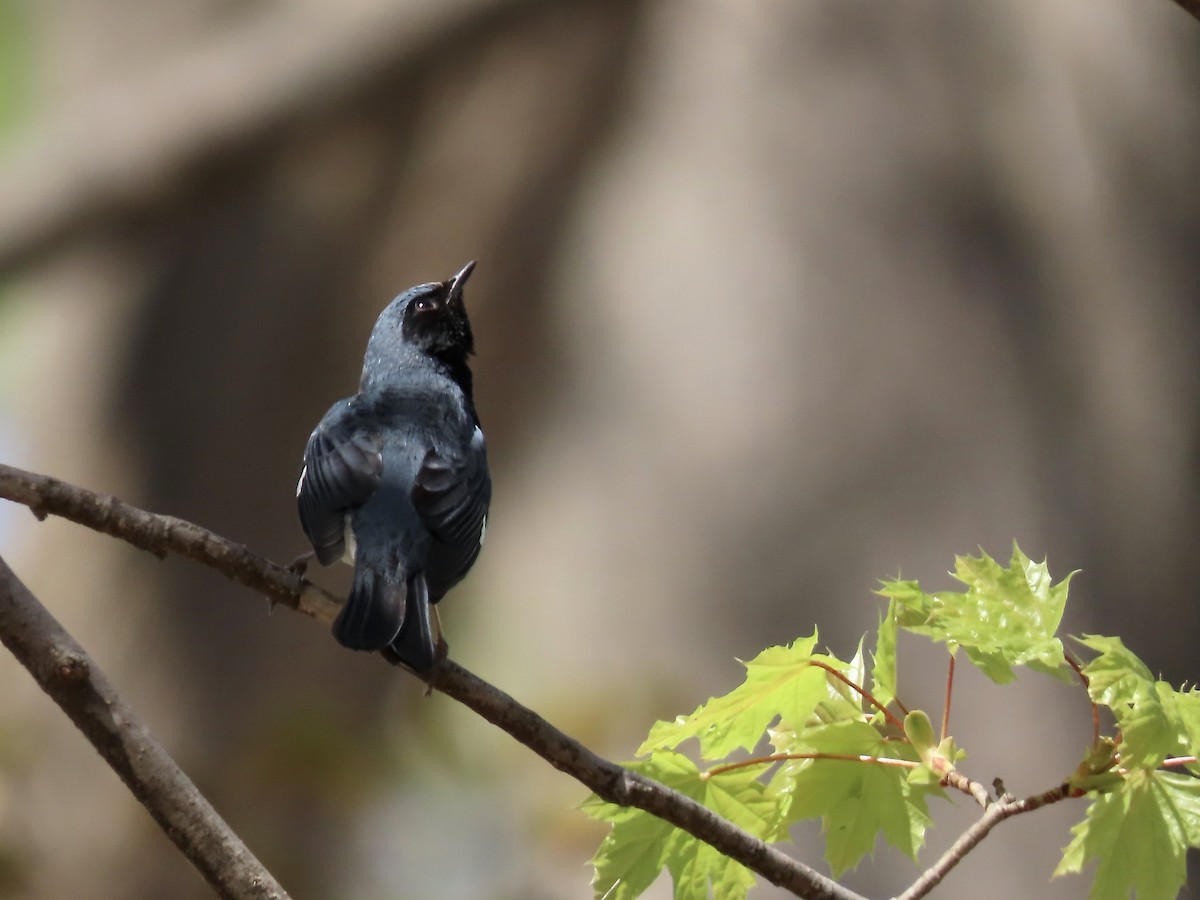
(69, 675)
(618, 785)
(163, 534)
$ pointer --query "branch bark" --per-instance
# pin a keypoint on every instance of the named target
(995, 812)
(77, 685)
(164, 534)
(1192, 7)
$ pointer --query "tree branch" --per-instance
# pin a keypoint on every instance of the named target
(162, 535)
(995, 813)
(77, 685)
(165, 534)
(1192, 7)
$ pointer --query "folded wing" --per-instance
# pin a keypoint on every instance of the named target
(343, 465)
(451, 495)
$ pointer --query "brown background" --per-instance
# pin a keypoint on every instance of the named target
(774, 299)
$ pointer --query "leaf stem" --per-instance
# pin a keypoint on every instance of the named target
(865, 694)
(1074, 664)
(949, 692)
(784, 757)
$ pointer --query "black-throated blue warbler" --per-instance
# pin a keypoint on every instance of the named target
(395, 478)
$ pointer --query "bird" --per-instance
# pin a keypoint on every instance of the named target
(395, 479)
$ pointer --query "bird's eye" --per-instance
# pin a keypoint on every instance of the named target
(425, 304)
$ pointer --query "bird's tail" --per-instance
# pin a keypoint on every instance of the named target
(415, 646)
(374, 611)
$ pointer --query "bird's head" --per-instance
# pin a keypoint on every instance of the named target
(429, 320)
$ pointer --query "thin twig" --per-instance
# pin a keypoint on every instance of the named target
(614, 783)
(995, 813)
(77, 685)
(972, 789)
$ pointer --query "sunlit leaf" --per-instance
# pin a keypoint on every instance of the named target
(1006, 617)
(1156, 721)
(856, 801)
(779, 683)
(1139, 834)
(640, 846)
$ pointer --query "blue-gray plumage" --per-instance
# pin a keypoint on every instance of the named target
(395, 478)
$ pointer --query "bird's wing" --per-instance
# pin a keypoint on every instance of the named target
(343, 464)
(451, 495)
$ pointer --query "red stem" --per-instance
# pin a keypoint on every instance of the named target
(866, 695)
(783, 757)
(949, 692)
(1074, 664)
(1172, 761)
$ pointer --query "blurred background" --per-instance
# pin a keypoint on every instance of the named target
(774, 299)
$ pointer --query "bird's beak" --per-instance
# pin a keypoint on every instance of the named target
(456, 283)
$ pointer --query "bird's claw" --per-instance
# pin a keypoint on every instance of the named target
(299, 565)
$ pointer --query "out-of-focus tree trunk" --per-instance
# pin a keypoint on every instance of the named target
(773, 300)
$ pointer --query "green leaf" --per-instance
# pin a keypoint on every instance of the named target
(694, 865)
(855, 800)
(1156, 721)
(1140, 834)
(779, 683)
(1183, 709)
(1116, 674)
(640, 845)
(631, 856)
(842, 703)
(883, 672)
(1006, 616)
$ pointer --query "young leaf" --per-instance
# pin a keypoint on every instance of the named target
(855, 800)
(779, 683)
(842, 702)
(1183, 709)
(883, 673)
(640, 845)
(1156, 721)
(1006, 616)
(1140, 833)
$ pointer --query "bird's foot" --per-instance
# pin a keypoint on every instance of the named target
(299, 565)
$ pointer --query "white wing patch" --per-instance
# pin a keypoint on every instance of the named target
(482, 531)
(300, 483)
(351, 544)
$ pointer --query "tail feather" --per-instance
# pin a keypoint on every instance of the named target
(374, 611)
(414, 646)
